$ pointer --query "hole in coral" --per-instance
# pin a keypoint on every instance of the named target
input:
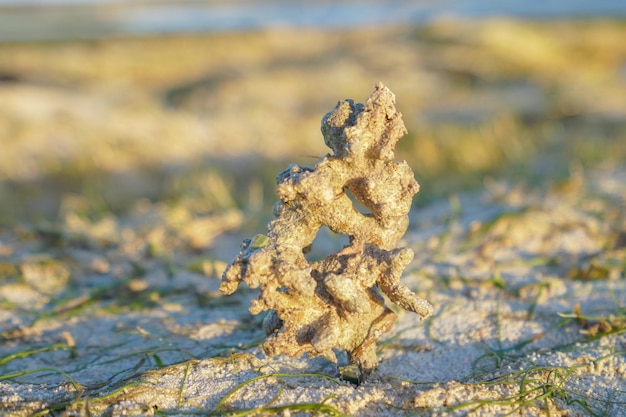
(326, 242)
(356, 203)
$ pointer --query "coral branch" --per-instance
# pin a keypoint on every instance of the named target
(334, 303)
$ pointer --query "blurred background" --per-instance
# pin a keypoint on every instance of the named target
(113, 111)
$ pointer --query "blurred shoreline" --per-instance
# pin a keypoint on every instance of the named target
(117, 120)
(55, 20)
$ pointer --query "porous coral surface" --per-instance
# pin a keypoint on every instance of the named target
(335, 303)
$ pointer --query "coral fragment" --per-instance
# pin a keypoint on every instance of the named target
(335, 303)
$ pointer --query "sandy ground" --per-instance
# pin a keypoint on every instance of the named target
(132, 169)
(528, 286)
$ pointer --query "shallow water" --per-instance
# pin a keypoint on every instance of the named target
(69, 19)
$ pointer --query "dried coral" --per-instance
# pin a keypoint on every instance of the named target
(335, 303)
